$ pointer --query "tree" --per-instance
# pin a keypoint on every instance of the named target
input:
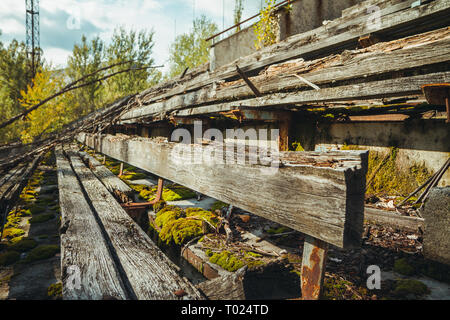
(86, 58)
(190, 49)
(54, 114)
(238, 8)
(13, 79)
(131, 46)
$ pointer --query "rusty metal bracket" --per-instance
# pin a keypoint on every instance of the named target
(313, 268)
(145, 205)
(248, 82)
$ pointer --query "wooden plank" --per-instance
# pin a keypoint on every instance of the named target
(342, 33)
(83, 247)
(325, 202)
(111, 182)
(377, 89)
(417, 52)
(391, 219)
(150, 275)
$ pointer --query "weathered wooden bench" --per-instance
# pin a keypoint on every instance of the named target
(104, 253)
(319, 194)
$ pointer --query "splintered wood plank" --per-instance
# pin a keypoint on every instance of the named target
(342, 33)
(150, 275)
(111, 182)
(84, 251)
(320, 194)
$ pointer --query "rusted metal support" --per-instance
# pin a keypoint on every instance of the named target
(138, 210)
(248, 82)
(283, 139)
(313, 268)
(121, 169)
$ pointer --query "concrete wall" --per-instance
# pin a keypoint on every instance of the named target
(310, 14)
(419, 142)
(238, 45)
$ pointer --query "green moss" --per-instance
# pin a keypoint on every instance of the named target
(179, 227)
(42, 252)
(253, 254)
(277, 230)
(42, 218)
(218, 205)
(43, 236)
(10, 233)
(37, 210)
(297, 146)
(9, 257)
(158, 206)
(409, 286)
(23, 245)
(55, 290)
(24, 213)
(390, 178)
(138, 187)
(403, 267)
(227, 261)
(174, 193)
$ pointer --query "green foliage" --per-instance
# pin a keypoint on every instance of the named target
(42, 252)
(267, 28)
(51, 116)
(9, 257)
(13, 79)
(85, 59)
(238, 8)
(11, 233)
(190, 50)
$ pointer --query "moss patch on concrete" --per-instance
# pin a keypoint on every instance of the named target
(42, 218)
(407, 287)
(41, 253)
(402, 266)
(9, 257)
(23, 245)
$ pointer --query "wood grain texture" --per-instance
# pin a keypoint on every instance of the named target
(82, 243)
(150, 275)
(111, 182)
(342, 33)
(324, 202)
(416, 52)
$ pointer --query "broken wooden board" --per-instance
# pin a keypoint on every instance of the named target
(88, 269)
(149, 274)
(12, 187)
(319, 194)
(420, 51)
(342, 33)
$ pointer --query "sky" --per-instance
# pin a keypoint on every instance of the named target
(63, 22)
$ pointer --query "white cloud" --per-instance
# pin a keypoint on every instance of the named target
(57, 57)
